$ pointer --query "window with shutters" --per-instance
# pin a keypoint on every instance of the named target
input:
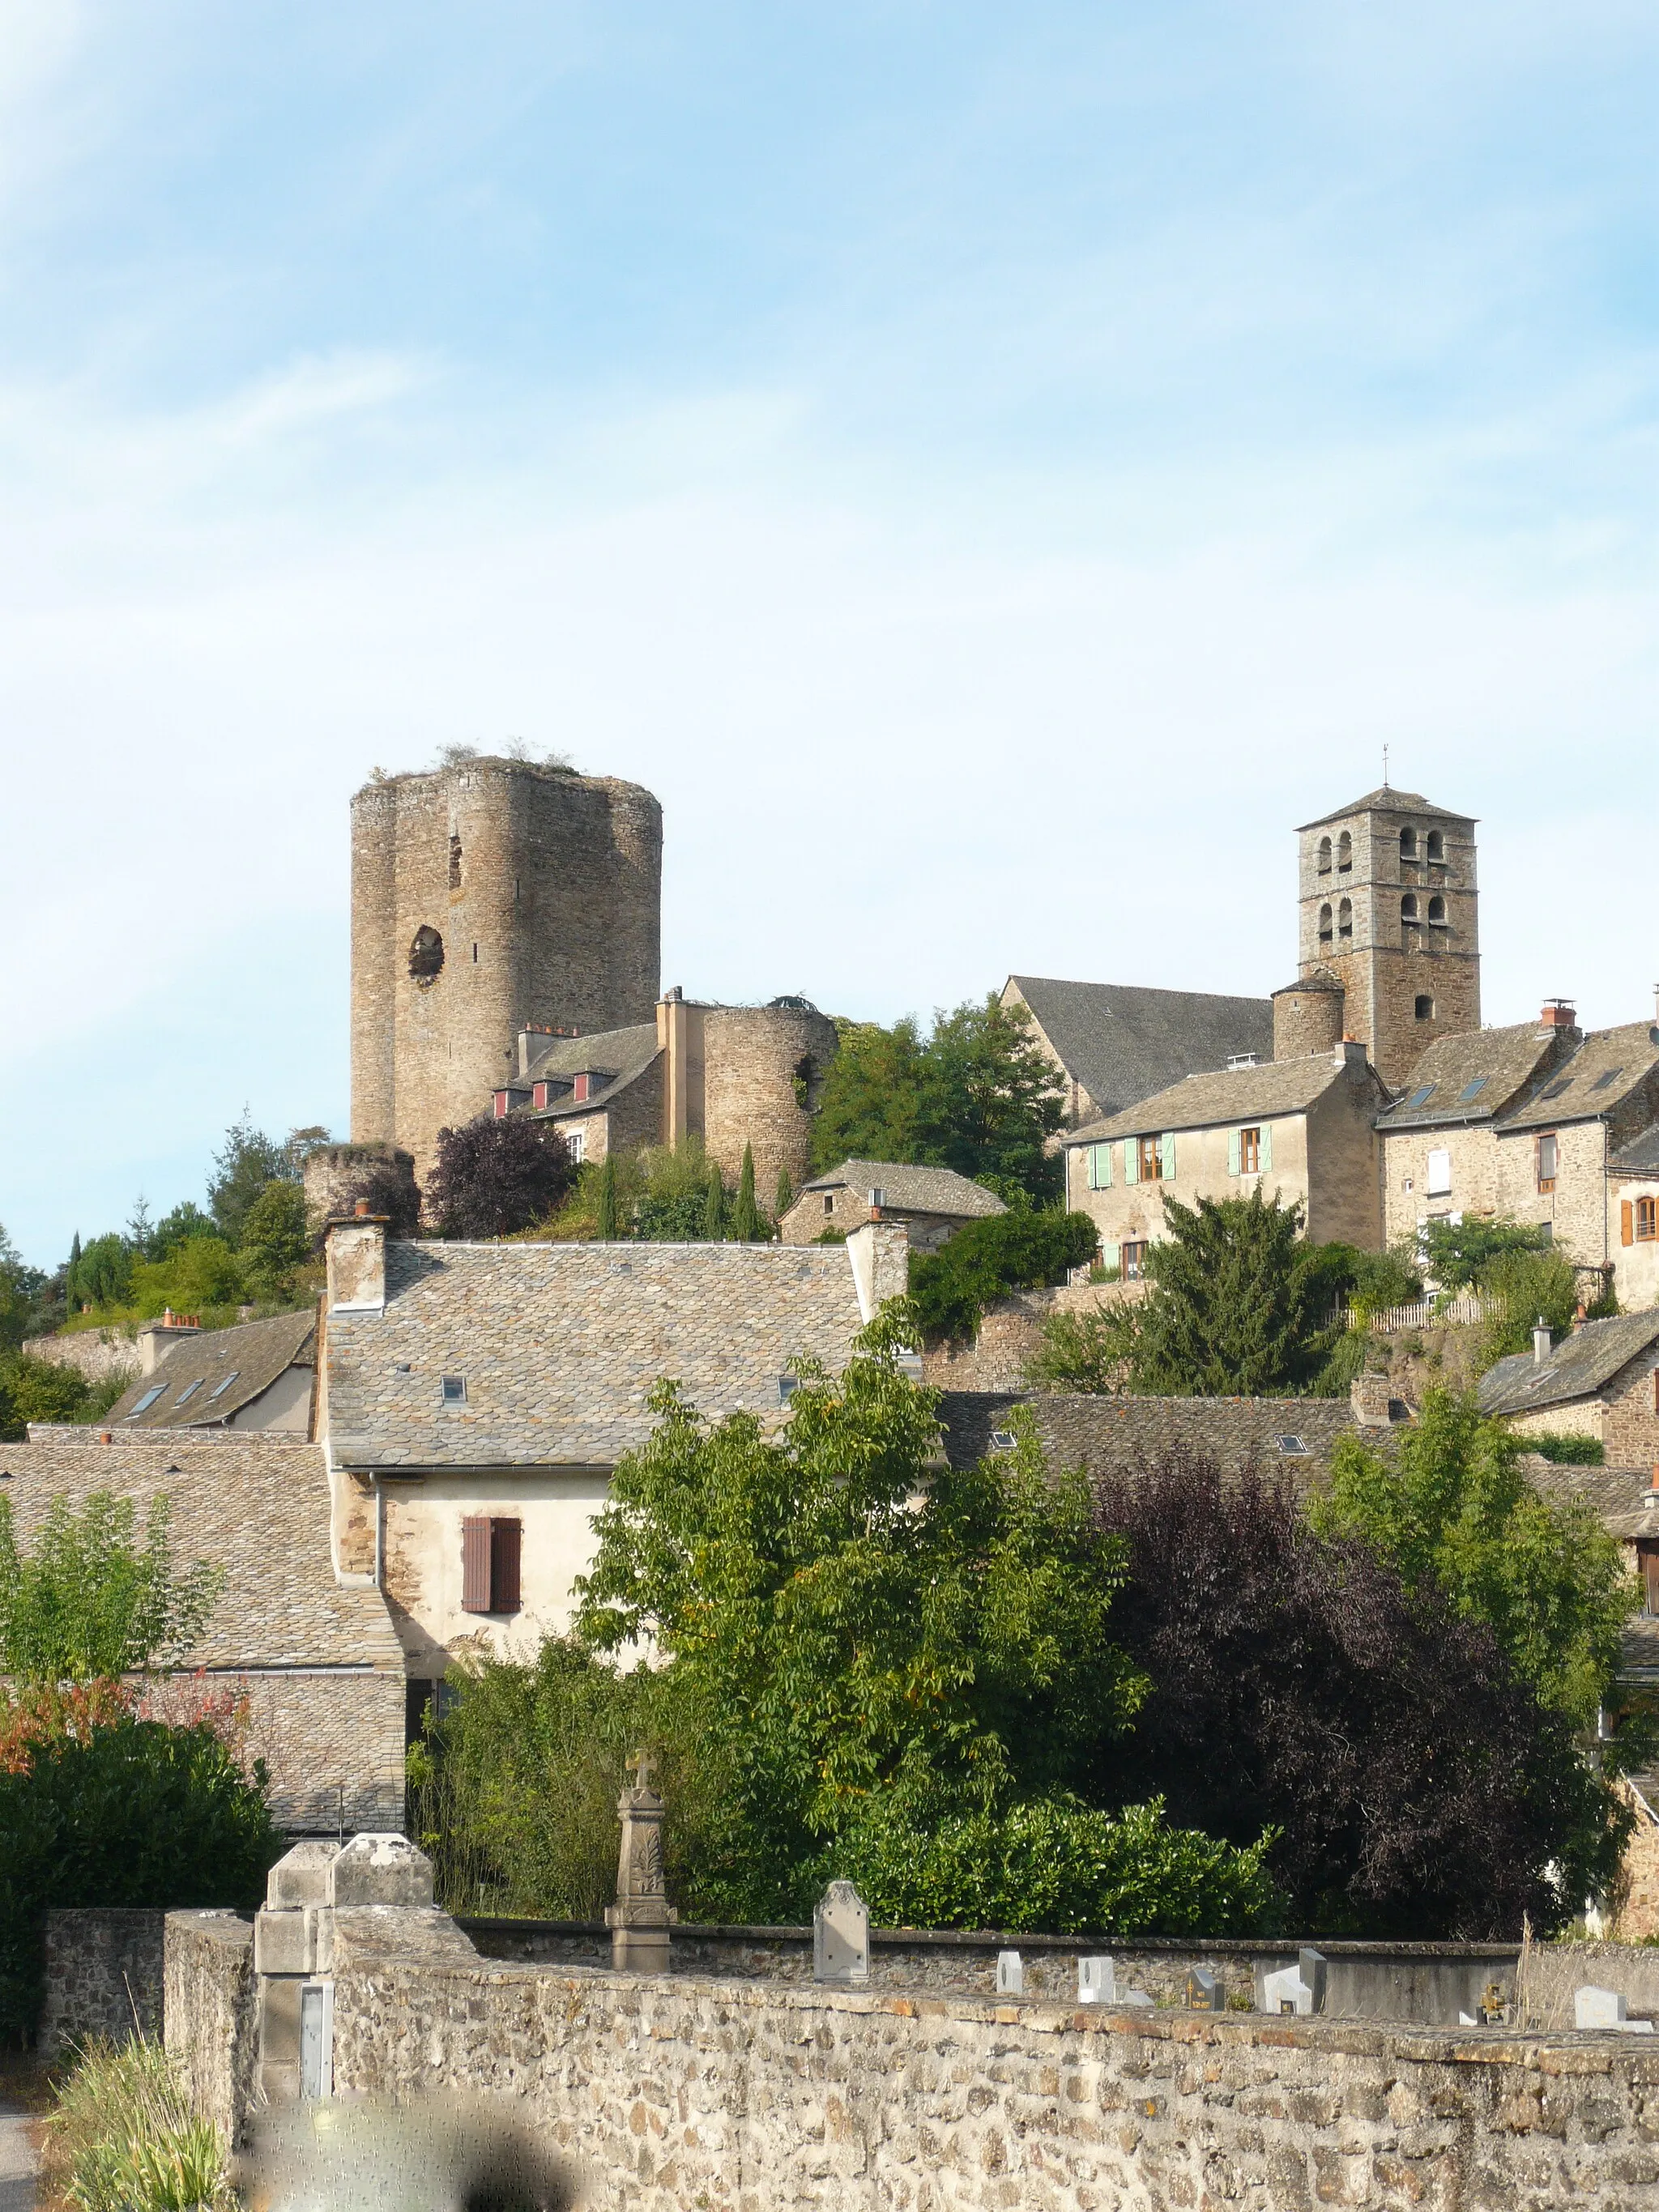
(1547, 1151)
(1250, 1151)
(491, 1549)
(1148, 1160)
(1134, 1261)
(1648, 1559)
(1439, 1182)
(1647, 1220)
(1100, 1167)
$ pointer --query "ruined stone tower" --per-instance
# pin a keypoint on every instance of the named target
(1388, 912)
(488, 897)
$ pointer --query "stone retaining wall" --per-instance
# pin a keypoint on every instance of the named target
(211, 2013)
(98, 1352)
(104, 1972)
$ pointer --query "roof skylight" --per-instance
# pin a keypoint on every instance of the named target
(1554, 1090)
(1608, 1075)
(148, 1400)
(1473, 1090)
(1293, 1447)
(1421, 1095)
(188, 1393)
(220, 1388)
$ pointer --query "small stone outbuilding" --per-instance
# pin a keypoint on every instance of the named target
(932, 1203)
(1601, 1381)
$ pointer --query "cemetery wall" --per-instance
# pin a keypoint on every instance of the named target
(210, 2013)
(676, 2091)
(103, 1975)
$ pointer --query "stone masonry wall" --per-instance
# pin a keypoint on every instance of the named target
(99, 1353)
(750, 1057)
(677, 2091)
(209, 2014)
(104, 1972)
(1010, 1333)
(1629, 1426)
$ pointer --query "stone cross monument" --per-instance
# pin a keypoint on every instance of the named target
(641, 1917)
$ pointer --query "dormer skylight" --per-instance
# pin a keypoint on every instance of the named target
(1421, 1095)
(1608, 1076)
(220, 1388)
(148, 1400)
(188, 1393)
(1473, 1090)
(1555, 1090)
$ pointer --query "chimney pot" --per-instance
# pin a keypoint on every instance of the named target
(1558, 1014)
(1540, 1341)
(1653, 1490)
(362, 1209)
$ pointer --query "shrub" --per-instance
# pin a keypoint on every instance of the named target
(1080, 1351)
(99, 1808)
(123, 2136)
(1053, 1866)
(987, 1259)
(275, 1239)
(1568, 1451)
(1526, 1286)
(494, 1178)
(88, 1602)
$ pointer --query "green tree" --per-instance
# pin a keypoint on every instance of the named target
(829, 1638)
(40, 1390)
(713, 1207)
(606, 1225)
(102, 1276)
(1078, 1352)
(275, 1239)
(747, 1225)
(243, 1165)
(674, 1197)
(979, 1096)
(1238, 1306)
(1526, 1287)
(987, 1259)
(20, 1290)
(1456, 1509)
(186, 1220)
(870, 1098)
(91, 1600)
(196, 1277)
(784, 1197)
(1457, 1254)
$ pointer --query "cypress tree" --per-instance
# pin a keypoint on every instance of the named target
(784, 1197)
(607, 1228)
(745, 1214)
(714, 1208)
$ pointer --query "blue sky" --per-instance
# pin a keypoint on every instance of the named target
(991, 472)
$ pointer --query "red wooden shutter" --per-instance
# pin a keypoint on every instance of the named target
(505, 1542)
(1627, 1224)
(475, 1566)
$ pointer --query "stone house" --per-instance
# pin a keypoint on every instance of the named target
(261, 1374)
(1116, 1042)
(1634, 1218)
(1601, 1381)
(932, 1203)
(1303, 1129)
(475, 1398)
(315, 1662)
(730, 1075)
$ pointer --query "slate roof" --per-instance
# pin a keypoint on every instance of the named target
(1397, 802)
(1239, 1094)
(1113, 1436)
(559, 1344)
(1511, 1060)
(257, 1508)
(1604, 1071)
(252, 1355)
(1640, 1157)
(624, 1054)
(912, 1189)
(1122, 1042)
(1616, 1495)
(1588, 1356)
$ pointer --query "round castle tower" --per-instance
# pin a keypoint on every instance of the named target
(487, 898)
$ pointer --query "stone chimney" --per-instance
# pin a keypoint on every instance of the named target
(880, 1252)
(157, 1338)
(1350, 1051)
(1369, 1396)
(357, 1263)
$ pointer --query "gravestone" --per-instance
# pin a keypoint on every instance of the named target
(1011, 1974)
(1096, 1981)
(1206, 1991)
(641, 1917)
(1299, 1989)
(1594, 2008)
(841, 1937)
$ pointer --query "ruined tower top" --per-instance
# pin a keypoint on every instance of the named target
(490, 896)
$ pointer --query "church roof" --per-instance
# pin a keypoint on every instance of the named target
(1121, 1042)
(1385, 799)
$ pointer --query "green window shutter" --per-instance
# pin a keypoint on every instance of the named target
(1131, 1161)
(1232, 1152)
(1105, 1152)
(1111, 1256)
(1267, 1148)
(1166, 1155)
